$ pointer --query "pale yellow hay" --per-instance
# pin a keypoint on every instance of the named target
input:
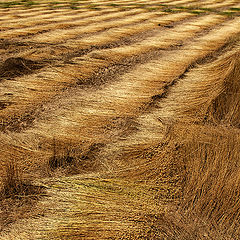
(180, 2)
(50, 24)
(50, 16)
(88, 66)
(193, 95)
(64, 34)
(114, 55)
(118, 32)
(83, 115)
(81, 118)
(219, 5)
(179, 33)
(55, 18)
(38, 16)
(20, 10)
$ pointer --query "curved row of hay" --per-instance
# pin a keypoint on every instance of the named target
(184, 187)
(198, 160)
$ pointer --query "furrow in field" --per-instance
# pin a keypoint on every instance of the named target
(89, 25)
(31, 89)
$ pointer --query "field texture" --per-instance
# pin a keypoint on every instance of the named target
(120, 119)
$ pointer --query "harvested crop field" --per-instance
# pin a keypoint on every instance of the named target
(120, 119)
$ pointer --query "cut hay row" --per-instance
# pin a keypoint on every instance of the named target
(13, 17)
(192, 99)
(117, 33)
(172, 37)
(220, 5)
(87, 117)
(194, 94)
(183, 2)
(205, 203)
(41, 13)
(55, 18)
(84, 43)
(90, 63)
(64, 34)
(199, 93)
(209, 153)
(12, 14)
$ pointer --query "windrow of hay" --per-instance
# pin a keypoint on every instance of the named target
(118, 33)
(225, 108)
(209, 92)
(63, 33)
(178, 181)
(18, 196)
(42, 18)
(77, 118)
(201, 161)
(192, 175)
(51, 80)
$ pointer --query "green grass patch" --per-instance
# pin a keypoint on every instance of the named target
(56, 5)
(112, 5)
(29, 3)
(152, 9)
(168, 10)
(10, 4)
(195, 11)
(73, 6)
(208, 9)
(93, 7)
(235, 9)
(140, 5)
(226, 13)
(181, 7)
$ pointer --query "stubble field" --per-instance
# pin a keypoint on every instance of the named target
(120, 119)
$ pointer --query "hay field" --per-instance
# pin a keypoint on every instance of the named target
(120, 119)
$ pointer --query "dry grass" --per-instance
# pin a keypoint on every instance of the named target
(202, 164)
(128, 117)
(18, 196)
(185, 186)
